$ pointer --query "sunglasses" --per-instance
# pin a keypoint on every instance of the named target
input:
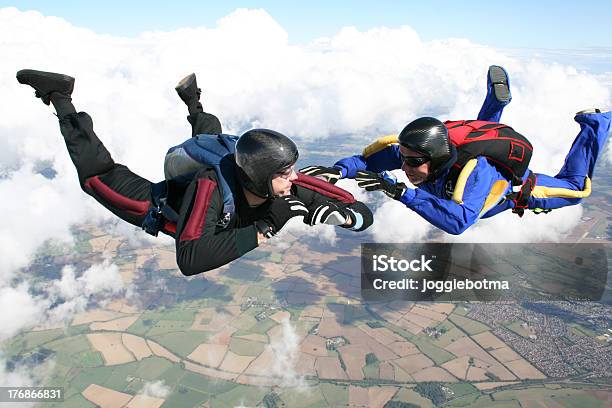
(412, 161)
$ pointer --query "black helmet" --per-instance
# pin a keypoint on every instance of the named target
(261, 153)
(429, 137)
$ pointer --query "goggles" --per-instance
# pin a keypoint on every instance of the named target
(286, 173)
(414, 161)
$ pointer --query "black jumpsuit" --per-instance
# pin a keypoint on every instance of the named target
(201, 244)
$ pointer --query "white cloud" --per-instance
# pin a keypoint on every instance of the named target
(21, 309)
(508, 227)
(70, 294)
(286, 349)
(35, 209)
(393, 222)
(155, 389)
(96, 284)
(359, 193)
(135, 237)
(296, 227)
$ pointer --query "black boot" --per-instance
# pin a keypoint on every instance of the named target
(188, 91)
(50, 88)
(46, 82)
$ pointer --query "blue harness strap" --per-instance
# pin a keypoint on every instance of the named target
(159, 212)
(216, 151)
(200, 151)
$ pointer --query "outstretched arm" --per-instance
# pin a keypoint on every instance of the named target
(443, 213)
(377, 158)
(329, 207)
(380, 156)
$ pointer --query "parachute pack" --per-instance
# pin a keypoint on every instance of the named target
(180, 165)
(204, 150)
(506, 149)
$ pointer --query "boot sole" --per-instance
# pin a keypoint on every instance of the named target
(185, 83)
(588, 111)
(499, 80)
(23, 74)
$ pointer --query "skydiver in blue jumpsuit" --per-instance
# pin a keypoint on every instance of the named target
(426, 156)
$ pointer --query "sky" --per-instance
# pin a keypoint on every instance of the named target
(362, 70)
(520, 23)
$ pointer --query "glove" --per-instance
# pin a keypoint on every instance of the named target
(329, 174)
(328, 213)
(372, 182)
(360, 215)
(281, 210)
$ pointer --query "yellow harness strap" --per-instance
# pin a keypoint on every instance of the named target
(496, 194)
(500, 187)
(550, 192)
(379, 144)
(462, 179)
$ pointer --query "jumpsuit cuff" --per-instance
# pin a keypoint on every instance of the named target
(408, 196)
(343, 171)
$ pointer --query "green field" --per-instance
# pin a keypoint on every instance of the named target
(168, 326)
(185, 397)
(411, 396)
(122, 375)
(206, 384)
(355, 315)
(298, 398)
(424, 344)
(262, 327)
(469, 326)
(182, 343)
(172, 375)
(483, 401)
(452, 334)
(152, 367)
(246, 320)
(371, 371)
(240, 395)
(88, 359)
(245, 347)
(29, 340)
(86, 376)
(461, 309)
(69, 350)
(438, 355)
(564, 396)
(461, 389)
(335, 395)
(260, 291)
(153, 323)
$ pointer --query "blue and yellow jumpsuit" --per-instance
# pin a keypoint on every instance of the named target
(481, 190)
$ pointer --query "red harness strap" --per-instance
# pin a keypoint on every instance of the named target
(325, 188)
(197, 218)
(170, 228)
